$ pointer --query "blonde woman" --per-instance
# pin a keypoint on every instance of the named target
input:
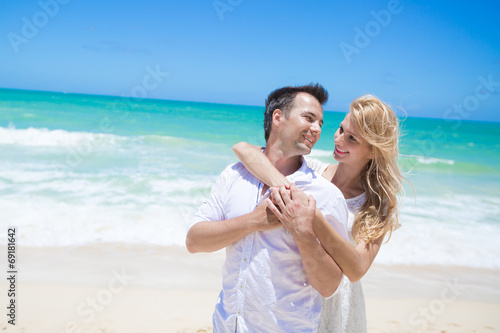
(366, 148)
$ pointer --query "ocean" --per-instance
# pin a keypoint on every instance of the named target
(81, 170)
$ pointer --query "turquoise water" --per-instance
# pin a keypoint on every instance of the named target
(79, 169)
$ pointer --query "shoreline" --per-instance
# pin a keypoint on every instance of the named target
(118, 287)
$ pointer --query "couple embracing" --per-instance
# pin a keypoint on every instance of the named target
(299, 234)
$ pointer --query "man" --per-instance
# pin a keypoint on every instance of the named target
(273, 278)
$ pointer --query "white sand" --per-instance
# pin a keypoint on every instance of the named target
(118, 288)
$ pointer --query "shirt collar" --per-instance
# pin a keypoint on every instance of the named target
(304, 175)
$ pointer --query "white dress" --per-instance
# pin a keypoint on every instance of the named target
(345, 312)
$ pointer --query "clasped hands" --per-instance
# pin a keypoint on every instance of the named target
(292, 208)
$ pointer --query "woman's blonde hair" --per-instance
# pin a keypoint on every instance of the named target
(381, 180)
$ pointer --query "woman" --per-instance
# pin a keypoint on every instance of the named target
(366, 147)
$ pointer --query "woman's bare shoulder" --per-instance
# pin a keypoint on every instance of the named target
(330, 171)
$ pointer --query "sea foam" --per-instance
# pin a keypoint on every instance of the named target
(51, 138)
(431, 160)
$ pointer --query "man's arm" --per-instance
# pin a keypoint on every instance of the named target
(213, 231)
(321, 270)
(210, 236)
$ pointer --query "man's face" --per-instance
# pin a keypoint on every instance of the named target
(301, 130)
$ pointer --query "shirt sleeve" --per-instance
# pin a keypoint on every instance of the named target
(212, 209)
(337, 215)
(318, 166)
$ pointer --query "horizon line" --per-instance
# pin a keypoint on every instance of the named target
(227, 104)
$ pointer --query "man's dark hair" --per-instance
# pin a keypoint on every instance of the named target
(283, 99)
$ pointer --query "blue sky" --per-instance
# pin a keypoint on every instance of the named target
(438, 59)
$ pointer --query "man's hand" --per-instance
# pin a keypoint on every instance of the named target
(296, 214)
(297, 194)
(210, 236)
(265, 218)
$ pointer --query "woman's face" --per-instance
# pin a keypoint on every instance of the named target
(350, 147)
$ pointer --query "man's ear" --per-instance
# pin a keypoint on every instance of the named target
(278, 116)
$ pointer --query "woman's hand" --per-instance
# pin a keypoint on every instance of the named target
(296, 214)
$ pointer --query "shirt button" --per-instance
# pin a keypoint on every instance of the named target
(244, 259)
(241, 286)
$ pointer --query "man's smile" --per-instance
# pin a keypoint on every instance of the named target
(310, 138)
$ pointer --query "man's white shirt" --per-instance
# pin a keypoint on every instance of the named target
(264, 287)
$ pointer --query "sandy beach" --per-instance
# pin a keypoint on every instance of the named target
(123, 288)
